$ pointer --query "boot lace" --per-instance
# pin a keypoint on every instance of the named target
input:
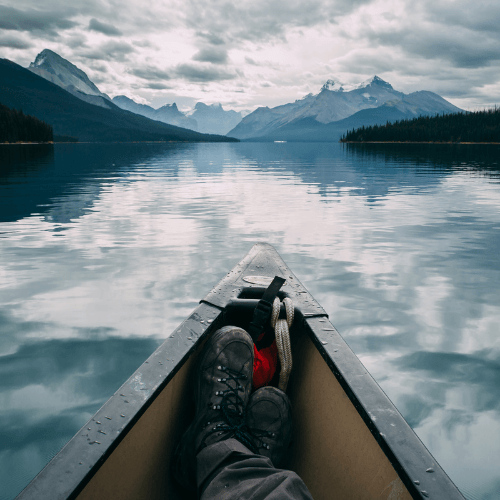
(232, 409)
(257, 437)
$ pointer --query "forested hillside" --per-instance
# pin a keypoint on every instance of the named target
(15, 126)
(479, 126)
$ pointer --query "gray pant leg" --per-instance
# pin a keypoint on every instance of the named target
(230, 471)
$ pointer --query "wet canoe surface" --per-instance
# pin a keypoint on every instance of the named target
(349, 441)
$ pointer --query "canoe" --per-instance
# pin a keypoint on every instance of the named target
(349, 440)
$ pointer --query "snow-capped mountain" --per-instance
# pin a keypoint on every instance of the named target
(21, 88)
(209, 119)
(214, 119)
(334, 103)
(60, 71)
(336, 86)
(167, 114)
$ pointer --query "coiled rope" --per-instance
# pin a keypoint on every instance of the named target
(282, 334)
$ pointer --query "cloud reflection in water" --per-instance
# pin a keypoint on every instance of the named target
(399, 246)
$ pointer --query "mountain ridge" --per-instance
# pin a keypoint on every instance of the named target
(168, 113)
(71, 116)
(331, 109)
(204, 118)
(209, 119)
(66, 75)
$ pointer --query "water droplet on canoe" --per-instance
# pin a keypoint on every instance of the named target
(416, 481)
(430, 469)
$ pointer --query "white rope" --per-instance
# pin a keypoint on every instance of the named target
(282, 334)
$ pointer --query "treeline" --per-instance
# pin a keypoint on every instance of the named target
(15, 126)
(479, 126)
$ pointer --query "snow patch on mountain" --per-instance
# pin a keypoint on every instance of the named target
(66, 75)
(337, 101)
(337, 86)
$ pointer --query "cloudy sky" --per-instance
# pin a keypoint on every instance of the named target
(253, 53)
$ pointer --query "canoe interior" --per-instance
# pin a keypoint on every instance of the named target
(139, 467)
(349, 441)
(331, 445)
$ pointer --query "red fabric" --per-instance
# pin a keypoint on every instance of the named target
(264, 365)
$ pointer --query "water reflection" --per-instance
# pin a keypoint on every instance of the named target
(64, 180)
(110, 247)
(49, 389)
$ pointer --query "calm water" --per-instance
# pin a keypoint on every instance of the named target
(105, 249)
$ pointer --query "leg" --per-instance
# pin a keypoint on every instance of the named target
(230, 471)
(237, 439)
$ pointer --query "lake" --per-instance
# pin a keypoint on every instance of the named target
(106, 248)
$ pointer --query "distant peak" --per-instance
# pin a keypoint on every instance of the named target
(336, 86)
(333, 86)
(203, 106)
(376, 80)
(43, 56)
(305, 97)
(121, 98)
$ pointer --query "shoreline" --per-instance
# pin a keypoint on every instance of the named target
(417, 142)
(109, 142)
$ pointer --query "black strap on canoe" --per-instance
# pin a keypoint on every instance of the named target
(264, 308)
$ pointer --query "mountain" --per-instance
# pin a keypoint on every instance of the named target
(214, 119)
(166, 114)
(211, 119)
(325, 116)
(60, 71)
(71, 116)
(207, 119)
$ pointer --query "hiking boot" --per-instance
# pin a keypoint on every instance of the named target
(269, 420)
(222, 389)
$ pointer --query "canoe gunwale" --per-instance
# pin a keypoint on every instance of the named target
(67, 474)
(403, 448)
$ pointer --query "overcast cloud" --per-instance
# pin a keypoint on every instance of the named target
(260, 53)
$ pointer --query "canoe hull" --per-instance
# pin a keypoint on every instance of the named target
(349, 440)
